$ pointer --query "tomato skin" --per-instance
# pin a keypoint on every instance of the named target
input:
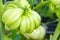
(55, 2)
(38, 33)
(11, 18)
(23, 4)
(9, 5)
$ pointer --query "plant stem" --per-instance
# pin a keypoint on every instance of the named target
(51, 22)
(1, 24)
(0, 20)
(51, 37)
(57, 32)
(40, 4)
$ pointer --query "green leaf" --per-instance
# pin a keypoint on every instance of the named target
(18, 37)
(40, 5)
(13, 34)
(48, 13)
(32, 2)
(44, 11)
(58, 12)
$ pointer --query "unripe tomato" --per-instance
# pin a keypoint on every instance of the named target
(9, 5)
(55, 6)
(11, 18)
(30, 20)
(38, 33)
(23, 4)
(55, 2)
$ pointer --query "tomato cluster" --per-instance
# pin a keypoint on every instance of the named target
(18, 14)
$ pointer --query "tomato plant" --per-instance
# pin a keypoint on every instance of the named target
(22, 19)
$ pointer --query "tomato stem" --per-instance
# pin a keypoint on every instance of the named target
(41, 4)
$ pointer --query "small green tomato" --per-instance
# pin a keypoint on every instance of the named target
(38, 33)
(55, 2)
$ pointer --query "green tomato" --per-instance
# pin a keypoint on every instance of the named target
(29, 22)
(23, 4)
(55, 2)
(38, 33)
(11, 18)
(9, 5)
